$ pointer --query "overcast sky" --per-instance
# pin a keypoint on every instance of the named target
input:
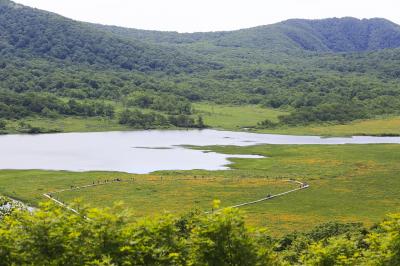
(212, 15)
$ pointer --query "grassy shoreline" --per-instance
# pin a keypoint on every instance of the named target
(222, 117)
(382, 127)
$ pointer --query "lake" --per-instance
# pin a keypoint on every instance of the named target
(142, 151)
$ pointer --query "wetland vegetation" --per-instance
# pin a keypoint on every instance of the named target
(348, 183)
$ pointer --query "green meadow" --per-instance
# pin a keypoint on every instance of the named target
(385, 126)
(235, 117)
(69, 124)
(147, 195)
(231, 117)
(348, 183)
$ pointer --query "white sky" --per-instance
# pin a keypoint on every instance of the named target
(212, 15)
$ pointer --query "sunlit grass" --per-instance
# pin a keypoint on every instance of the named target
(380, 126)
(357, 183)
(235, 117)
(147, 196)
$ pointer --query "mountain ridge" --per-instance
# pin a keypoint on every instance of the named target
(330, 35)
(303, 34)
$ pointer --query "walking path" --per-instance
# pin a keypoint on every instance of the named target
(49, 195)
(60, 203)
(269, 197)
(302, 186)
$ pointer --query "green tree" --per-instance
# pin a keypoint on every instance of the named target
(200, 122)
(3, 124)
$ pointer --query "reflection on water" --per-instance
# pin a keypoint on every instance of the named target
(141, 151)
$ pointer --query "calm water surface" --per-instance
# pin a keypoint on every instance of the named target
(141, 151)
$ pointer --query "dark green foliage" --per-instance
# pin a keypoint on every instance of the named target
(293, 245)
(3, 124)
(266, 124)
(343, 34)
(15, 106)
(200, 122)
(28, 128)
(333, 229)
(141, 120)
(86, 108)
(182, 121)
(325, 35)
(26, 32)
(167, 103)
(138, 119)
(186, 121)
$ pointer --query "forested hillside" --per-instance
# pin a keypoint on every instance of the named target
(331, 70)
(326, 35)
(343, 35)
(27, 32)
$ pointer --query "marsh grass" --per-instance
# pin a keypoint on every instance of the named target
(149, 195)
(348, 183)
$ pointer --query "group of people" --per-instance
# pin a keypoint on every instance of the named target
(107, 181)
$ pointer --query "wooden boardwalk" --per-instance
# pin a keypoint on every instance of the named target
(270, 197)
(50, 196)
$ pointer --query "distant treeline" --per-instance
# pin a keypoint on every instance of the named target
(173, 111)
(138, 119)
(170, 104)
(16, 106)
(335, 112)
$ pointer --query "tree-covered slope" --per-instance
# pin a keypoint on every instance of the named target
(343, 34)
(325, 35)
(28, 32)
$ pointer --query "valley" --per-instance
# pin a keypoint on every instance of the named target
(150, 137)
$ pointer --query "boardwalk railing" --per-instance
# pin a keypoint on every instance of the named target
(302, 186)
(269, 197)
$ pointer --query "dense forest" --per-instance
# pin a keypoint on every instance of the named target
(25, 32)
(331, 70)
(326, 35)
(18, 105)
(104, 237)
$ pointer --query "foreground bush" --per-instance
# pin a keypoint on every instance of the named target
(54, 236)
